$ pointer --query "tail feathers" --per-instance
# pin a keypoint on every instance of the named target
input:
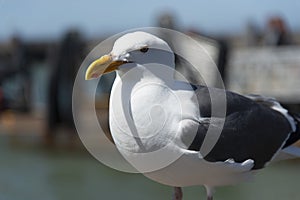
(293, 118)
(295, 136)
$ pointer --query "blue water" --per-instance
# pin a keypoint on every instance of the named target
(30, 171)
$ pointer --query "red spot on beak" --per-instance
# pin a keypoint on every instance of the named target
(95, 75)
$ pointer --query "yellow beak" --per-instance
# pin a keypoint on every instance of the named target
(103, 65)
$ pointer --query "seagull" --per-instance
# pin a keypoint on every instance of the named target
(160, 124)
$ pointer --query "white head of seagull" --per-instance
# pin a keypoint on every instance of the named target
(131, 50)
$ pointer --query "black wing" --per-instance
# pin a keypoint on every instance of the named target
(252, 130)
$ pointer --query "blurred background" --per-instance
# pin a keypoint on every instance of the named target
(255, 45)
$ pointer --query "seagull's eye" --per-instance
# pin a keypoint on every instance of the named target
(144, 49)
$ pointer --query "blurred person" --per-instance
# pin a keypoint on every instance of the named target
(67, 62)
(277, 33)
(167, 20)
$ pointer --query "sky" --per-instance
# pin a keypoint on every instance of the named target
(50, 18)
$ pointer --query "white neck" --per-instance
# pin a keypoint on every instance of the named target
(144, 73)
